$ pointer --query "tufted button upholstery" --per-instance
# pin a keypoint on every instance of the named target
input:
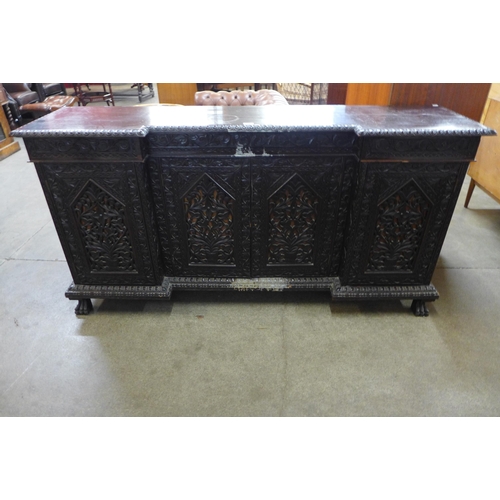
(264, 97)
(52, 103)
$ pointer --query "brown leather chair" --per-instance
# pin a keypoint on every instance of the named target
(264, 97)
(45, 90)
(28, 104)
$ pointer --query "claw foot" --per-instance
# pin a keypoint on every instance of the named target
(84, 307)
(419, 308)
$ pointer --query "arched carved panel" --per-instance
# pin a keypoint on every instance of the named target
(209, 218)
(101, 220)
(293, 214)
(401, 221)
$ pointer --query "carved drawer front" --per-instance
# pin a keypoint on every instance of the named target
(253, 143)
(400, 217)
(299, 211)
(101, 215)
(85, 148)
(203, 213)
(420, 148)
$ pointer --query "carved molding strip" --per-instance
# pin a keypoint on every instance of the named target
(143, 131)
(162, 291)
(349, 292)
(249, 284)
(359, 130)
(69, 132)
(416, 132)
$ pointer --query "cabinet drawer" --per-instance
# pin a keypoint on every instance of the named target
(85, 148)
(253, 143)
(417, 148)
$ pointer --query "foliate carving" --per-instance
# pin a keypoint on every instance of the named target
(293, 213)
(326, 182)
(431, 189)
(401, 221)
(101, 219)
(64, 185)
(209, 214)
(200, 205)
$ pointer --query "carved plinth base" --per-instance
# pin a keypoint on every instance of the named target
(418, 293)
(83, 293)
(252, 284)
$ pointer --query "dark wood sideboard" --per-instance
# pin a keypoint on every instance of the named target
(353, 200)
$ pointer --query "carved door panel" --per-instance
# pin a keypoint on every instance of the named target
(102, 215)
(399, 221)
(299, 211)
(203, 212)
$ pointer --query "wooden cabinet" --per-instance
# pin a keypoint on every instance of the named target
(485, 171)
(176, 93)
(8, 145)
(467, 99)
(355, 200)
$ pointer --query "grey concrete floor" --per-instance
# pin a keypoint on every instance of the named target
(249, 354)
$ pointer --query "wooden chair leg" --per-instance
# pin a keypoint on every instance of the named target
(472, 185)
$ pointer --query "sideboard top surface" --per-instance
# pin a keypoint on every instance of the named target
(138, 121)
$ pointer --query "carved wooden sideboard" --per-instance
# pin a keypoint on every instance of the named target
(353, 200)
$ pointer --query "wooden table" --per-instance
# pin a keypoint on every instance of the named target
(87, 96)
(355, 201)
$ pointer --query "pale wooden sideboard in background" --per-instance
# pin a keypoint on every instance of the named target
(485, 171)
